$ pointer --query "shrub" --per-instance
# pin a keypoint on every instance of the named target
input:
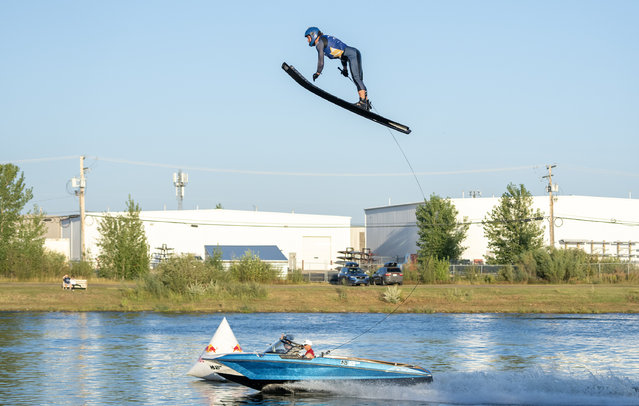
(196, 289)
(553, 265)
(179, 272)
(472, 273)
(37, 264)
(392, 294)
(153, 285)
(434, 270)
(545, 269)
(570, 263)
(55, 264)
(81, 269)
(295, 276)
(251, 269)
(430, 270)
(506, 273)
(249, 290)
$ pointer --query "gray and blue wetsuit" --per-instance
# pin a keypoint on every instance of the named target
(336, 49)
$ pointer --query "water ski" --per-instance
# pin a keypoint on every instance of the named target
(292, 72)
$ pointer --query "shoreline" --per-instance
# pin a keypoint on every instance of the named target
(324, 298)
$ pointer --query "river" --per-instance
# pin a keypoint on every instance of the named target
(502, 359)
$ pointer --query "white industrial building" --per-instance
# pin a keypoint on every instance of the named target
(598, 225)
(308, 241)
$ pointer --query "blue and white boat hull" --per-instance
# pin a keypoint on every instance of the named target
(257, 370)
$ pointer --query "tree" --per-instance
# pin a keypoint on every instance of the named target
(21, 236)
(440, 235)
(512, 227)
(124, 250)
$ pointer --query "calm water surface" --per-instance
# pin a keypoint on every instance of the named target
(142, 358)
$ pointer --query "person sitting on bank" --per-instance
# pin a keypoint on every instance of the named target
(66, 282)
(309, 351)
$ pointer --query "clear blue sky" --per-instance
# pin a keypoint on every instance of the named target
(493, 91)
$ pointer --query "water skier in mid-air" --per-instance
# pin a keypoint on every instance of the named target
(332, 47)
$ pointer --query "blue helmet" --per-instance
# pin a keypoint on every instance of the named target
(314, 33)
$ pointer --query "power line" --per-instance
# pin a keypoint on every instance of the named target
(35, 160)
(281, 173)
(313, 174)
(194, 222)
(204, 223)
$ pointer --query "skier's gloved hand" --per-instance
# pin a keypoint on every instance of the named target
(344, 72)
(315, 76)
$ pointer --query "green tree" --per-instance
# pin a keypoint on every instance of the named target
(27, 254)
(440, 235)
(513, 227)
(21, 236)
(124, 250)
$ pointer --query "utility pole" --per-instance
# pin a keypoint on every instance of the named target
(550, 188)
(180, 179)
(81, 196)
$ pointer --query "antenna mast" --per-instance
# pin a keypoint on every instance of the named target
(180, 179)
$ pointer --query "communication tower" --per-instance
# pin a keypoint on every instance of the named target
(180, 179)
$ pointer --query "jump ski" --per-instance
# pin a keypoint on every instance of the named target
(292, 72)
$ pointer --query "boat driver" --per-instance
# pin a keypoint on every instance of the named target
(288, 343)
(309, 351)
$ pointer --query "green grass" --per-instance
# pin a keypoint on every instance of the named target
(451, 298)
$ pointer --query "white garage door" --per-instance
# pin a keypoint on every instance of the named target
(316, 253)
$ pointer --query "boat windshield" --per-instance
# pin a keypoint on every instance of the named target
(283, 346)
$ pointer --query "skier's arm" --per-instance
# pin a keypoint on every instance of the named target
(321, 44)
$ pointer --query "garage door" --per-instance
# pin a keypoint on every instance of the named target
(316, 253)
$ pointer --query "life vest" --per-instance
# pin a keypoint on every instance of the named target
(334, 48)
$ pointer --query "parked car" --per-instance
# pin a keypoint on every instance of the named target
(389, 274)
(352, 274)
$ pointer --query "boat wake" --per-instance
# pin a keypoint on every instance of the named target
(491, 388)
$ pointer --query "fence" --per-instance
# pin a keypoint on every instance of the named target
(475, 269)
(319, 276)
(609, 268)
(598, 269)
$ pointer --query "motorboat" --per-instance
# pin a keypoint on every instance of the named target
(283, 363)
(222, 342)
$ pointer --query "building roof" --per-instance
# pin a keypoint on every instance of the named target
(235, 252)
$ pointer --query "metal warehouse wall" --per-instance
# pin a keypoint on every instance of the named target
(391, 231)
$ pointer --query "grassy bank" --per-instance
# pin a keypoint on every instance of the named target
(113, 296)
